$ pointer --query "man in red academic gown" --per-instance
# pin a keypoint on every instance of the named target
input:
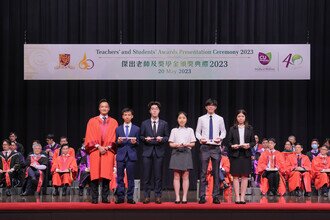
(64, 170)
(57, 152)
(321, 170)
(298, 169)
(271, 169)
(100, 143)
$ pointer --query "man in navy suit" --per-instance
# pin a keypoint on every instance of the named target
(154, 134)
(127, 136)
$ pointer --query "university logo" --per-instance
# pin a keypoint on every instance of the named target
(86, 64)
(265, 58)
(64, 61)
(293, 59)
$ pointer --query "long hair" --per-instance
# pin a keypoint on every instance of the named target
(246, 123)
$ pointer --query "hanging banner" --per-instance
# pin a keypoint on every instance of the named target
(166, 62)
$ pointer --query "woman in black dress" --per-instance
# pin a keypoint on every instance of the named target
(241, 140)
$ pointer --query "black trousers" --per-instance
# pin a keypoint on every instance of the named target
(95, 189)
(273, 180)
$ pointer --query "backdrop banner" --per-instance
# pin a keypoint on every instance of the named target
(166, 61)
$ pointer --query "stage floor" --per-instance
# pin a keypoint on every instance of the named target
(77, 207)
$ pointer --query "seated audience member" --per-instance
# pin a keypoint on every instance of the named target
(288, 147)
(298, 168)
(293, 141)
(13, 138)
(9, 164)
(18, 175)
(321, 170)
(35, 172)
(64, 169)
(314, 151)
(271, 169)
(84, 168)
(57, 152)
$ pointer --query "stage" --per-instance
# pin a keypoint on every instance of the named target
(257, 207)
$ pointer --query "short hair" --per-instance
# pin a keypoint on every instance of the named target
(127, 110)
(36, 144)
(13, 133)
(264, 139)
(50, 136)
(300, 145)
(83, 140)
(154, 103)
(104, 100)
(36, 141)
(272, 139)
(324, 145)
(64, 145)
(211, 102)
(7, 141)
(292, 136)
(64, 137)
(315, 139)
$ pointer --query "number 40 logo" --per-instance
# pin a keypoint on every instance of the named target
(293, 59)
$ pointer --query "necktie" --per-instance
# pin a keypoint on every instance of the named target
(211, 129)
(126, 131)
(6, 154)
(154, 128)
(299, 161)
(104, 118)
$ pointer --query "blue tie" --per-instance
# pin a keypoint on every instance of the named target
(126, 131)
(211, 129)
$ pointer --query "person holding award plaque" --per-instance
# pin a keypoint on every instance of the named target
(127, 136)
(210, 132)
(241, 140)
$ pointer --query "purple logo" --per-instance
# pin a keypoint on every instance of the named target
(265, 58)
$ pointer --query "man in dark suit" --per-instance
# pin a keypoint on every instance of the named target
(127, 136)
(154, 134)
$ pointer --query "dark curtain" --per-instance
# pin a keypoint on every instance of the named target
(275, 108)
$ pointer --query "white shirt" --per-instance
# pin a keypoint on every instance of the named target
(129, 128)
(241, 132)
(101, 116)
(202, 129)
(152, 123)
(182, 135)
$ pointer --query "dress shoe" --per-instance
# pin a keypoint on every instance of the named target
(131, 201)
(216, 200)
(158, 200)
(56, 192)
(184, 202)
(146, 200)
(81, 191)
(105, 200)
(95, 201)
(8, 193)
(177, 202)
(119, 201)
(308, 194)
(242, 202)
(202, 200)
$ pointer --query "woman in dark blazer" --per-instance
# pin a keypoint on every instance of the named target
(240, 140)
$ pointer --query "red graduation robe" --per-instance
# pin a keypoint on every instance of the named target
(279, 163)
(318, 164)
(302, 180)
(64, 162)
(225, 164)
(101, 166)
(57, 152)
